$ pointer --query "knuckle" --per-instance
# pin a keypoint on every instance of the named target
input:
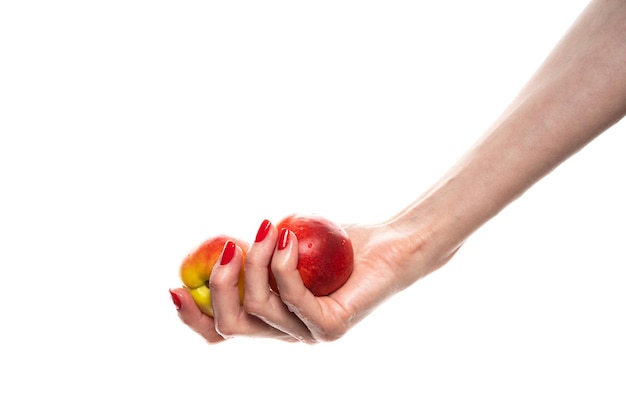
(190, 322)
(249, 262)
(213, 339)
(254, 306)
(332, 334)
(279, 266)
(226, 329)
(293, 298)
(219, 281)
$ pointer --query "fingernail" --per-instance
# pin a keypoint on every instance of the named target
(176, 300)
(283, 239)
(228, 253)
(263, 230)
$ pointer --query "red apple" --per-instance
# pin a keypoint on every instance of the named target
(195, 270)
(325, 254)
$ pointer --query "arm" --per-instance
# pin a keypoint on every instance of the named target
(577, 93)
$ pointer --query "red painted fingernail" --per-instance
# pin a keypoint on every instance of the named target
(283, 239)
(176, 300)
(228, 253)
(263, 230)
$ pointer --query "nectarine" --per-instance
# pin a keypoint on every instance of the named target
(325, 253)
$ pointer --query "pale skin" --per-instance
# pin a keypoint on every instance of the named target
(578, 93)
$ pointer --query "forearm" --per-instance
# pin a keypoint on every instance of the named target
(575, 95)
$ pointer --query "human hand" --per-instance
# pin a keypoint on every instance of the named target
(387, 259)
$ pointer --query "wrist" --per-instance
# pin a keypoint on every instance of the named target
(443, 218)
(432, 232)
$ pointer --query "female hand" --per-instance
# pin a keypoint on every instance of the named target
(576, 94)
(388, 258)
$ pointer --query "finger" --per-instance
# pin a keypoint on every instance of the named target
(259, 256)
(230, 319)
(190, 315)
(260, 301)
(293, 293)
(224, 286)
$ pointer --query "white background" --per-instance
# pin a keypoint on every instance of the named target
(132, 130)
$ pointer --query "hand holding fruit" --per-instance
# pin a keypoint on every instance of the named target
(325, 262)
(210, 302)
(325, 259)
(296, 314)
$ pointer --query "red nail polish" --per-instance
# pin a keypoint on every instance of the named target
(228, 253)
(263, 230)
(283, 240)
(176, 300)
